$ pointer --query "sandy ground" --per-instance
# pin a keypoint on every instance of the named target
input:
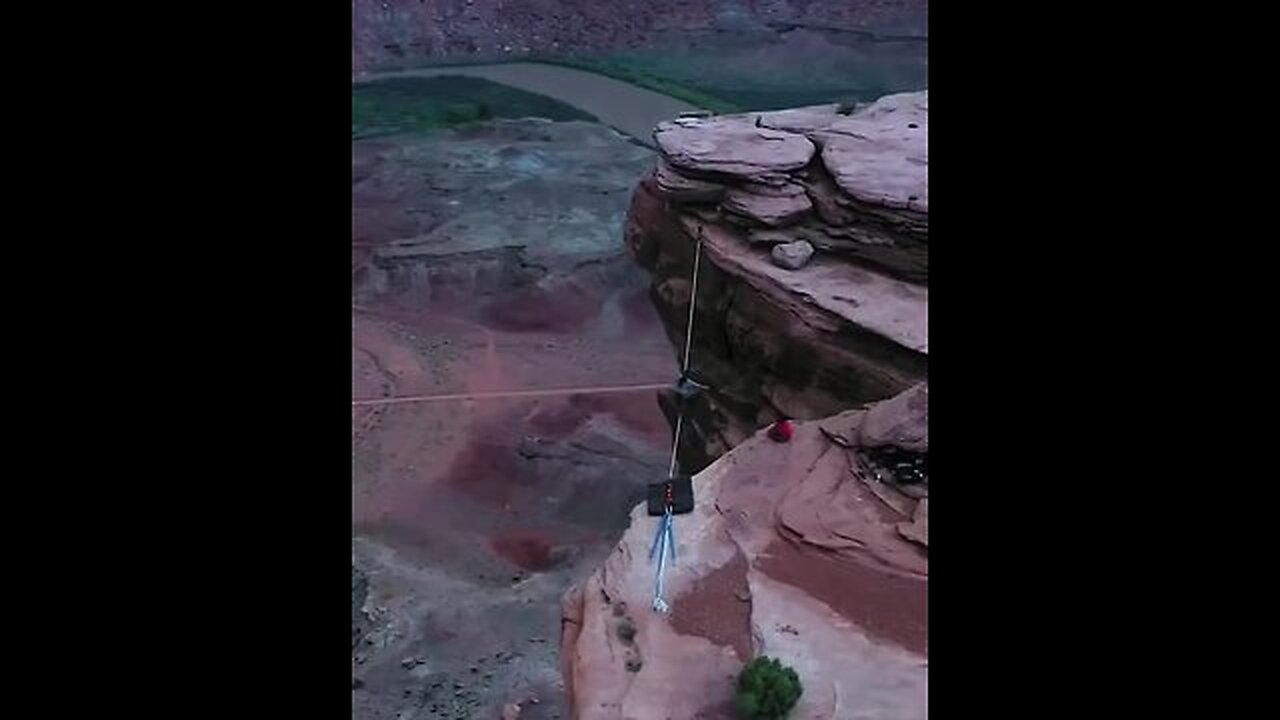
(470, 518)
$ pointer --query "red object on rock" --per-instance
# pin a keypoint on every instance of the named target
(782, 431)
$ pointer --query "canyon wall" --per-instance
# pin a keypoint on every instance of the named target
(797, 551)
(849, 325)
(388, 33)
(812, 304)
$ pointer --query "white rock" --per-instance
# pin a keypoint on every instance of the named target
(792, 255)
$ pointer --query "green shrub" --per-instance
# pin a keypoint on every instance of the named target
(767, 690)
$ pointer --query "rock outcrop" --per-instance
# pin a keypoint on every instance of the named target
(796, 551)
(847, 327)
(813, 550)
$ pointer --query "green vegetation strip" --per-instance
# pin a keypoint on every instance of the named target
(410, 104)
(619, 70)
(609, 66)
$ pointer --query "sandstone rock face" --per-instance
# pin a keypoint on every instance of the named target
(854, 185)
(846, 327)
(815, 550)
(771, 205)
(794, 551)
(731, 146)
(902, 422)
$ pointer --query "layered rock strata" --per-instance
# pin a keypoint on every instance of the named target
(848, 327)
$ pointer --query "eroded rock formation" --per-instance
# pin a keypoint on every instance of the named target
(848, 327)
(797, 551)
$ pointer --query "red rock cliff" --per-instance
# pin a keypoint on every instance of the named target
(813, 551)
(796, 551)
(847, 327)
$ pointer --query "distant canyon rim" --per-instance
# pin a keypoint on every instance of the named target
(398, 33)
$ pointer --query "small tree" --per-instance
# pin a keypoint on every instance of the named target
(767, 690)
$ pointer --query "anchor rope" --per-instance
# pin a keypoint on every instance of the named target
(664, 544)
(688, 344)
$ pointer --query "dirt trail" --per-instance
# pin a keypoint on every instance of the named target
(627, 108)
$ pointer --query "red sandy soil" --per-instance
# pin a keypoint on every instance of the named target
(448, 471)
(559, 310)
(529, 550)
(447, 487)
(886, 605)
(715, 608)
(473, 516)
(378, 219)
(558, 420)
(489, 471)
(638, 313)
